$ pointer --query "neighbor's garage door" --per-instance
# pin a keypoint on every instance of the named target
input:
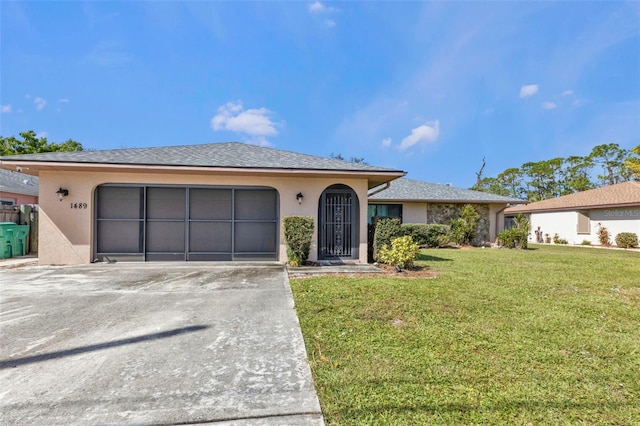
(155, 223)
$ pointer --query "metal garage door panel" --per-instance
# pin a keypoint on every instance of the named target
(181, 223)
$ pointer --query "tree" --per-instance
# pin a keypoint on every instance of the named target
(612, 160)
(31, 144)
(479, 173)
(633, 162)
(352, 159)
(511, 181)
(575, 175)
(544, 179)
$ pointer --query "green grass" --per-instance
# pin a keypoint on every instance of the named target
(549, 335)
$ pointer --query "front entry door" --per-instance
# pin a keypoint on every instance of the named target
(338, 216)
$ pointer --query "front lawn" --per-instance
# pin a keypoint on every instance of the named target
(549, 335)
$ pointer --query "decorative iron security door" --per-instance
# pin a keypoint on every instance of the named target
(338, 215)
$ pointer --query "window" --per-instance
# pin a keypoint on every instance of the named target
(584, 223)
(7, 201)
(384, 210)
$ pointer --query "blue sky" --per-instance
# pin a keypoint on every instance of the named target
(430, 88)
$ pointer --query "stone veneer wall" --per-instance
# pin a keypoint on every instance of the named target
(442, 213)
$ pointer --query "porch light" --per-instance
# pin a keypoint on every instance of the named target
(62, 193)
(299, 197)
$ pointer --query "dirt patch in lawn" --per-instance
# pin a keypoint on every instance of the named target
(415, 272)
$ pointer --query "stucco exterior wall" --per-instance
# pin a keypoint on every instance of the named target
(66, 234)
(565, 224)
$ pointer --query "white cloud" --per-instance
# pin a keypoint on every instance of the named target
(427, 133)
(40, 103)
(5, 109)
(579, 102)
(528, 90)
(489, 111)
(549, 105)
(253, 122)
(41, 135)
(317, 7)
(386, 142)
(63, 100)
(567, 93)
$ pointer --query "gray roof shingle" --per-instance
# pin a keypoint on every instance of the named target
(224, 155)
(18, 183)
(404, 189)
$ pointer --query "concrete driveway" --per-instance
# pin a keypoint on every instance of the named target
(152, 344)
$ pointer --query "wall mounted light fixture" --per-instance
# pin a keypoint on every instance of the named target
(62, 193)
(299, 197)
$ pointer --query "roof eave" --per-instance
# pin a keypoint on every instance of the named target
(573, 208)
(374, 177)
(442, 200)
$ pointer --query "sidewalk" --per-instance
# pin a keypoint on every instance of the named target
(18, 262)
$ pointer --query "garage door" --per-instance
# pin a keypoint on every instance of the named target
(164, 223)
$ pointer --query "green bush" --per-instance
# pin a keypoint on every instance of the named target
(585, 243)
(463, 228)
(627, 240)
(513, 238)
(386, 229)
(426, 234)
(558, 240)
(516, 237)
(403, 252)
(298, 231)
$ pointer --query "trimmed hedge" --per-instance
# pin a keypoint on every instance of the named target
(386, 229)
(627, 240)
(426, 235)
(298, 231)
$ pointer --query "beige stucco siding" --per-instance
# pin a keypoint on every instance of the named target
(66, 234)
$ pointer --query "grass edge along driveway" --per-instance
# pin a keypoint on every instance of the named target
(549, 335)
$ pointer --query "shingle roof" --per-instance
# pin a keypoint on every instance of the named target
(404, 189)
(225, 155)
(622, 194)
(18, 183)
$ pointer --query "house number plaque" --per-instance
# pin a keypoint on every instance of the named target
(79, 205)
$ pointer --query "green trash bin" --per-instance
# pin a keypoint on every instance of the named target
(13, 239)
(19, 245)
(6, 239)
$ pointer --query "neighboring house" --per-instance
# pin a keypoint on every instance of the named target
(221, 201)
(17, 188)
(421, 202)
(577, 217)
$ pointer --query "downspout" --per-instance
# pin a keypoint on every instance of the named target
(377, 191)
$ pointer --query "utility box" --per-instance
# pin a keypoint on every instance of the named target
(13, 239)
